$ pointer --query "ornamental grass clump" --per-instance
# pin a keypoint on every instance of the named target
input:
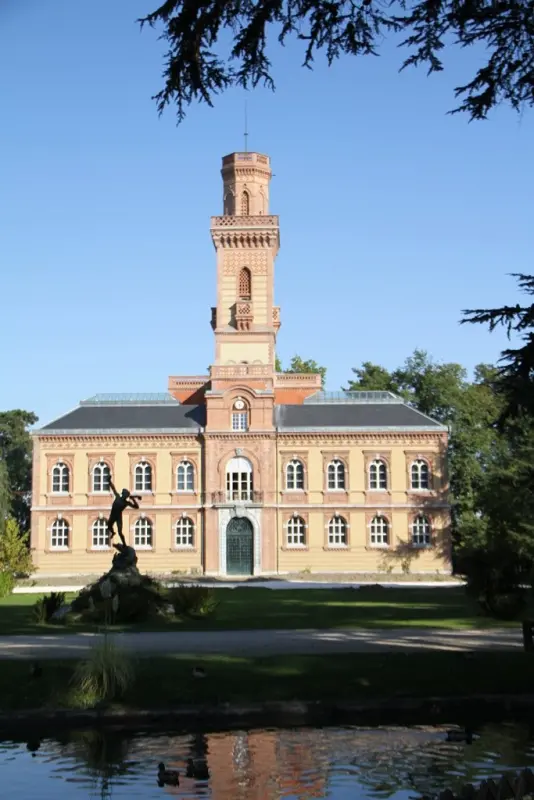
(106, 675)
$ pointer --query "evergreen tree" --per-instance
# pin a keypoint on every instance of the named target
(15, 556)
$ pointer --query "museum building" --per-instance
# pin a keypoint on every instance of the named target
(244, 471)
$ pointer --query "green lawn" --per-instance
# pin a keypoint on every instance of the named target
(250, 608)
(162, 683)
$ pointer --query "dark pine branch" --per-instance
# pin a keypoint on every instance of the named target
(195, 69)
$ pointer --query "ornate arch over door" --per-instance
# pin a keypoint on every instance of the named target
(239, 547)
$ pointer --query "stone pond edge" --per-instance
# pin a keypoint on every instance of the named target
(420, 711)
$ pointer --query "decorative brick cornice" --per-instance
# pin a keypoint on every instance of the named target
(357, 438)
(84, 440)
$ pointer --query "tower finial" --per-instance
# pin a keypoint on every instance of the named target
(246, 128)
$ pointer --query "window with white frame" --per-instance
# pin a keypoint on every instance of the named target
(420, 475)
(185, 530)
(421, 531)
(239, 420)
(337, 532)
(59, 535)
(100, 535)
(185, 477)
(101, 477)
(379, 531)
(239, 479)
(296, 532)
(378, 474)
(60, 478)
(295, 475)
(143, 531)
(336, 474)
(143, 477)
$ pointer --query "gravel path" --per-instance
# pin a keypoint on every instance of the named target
(266, 642)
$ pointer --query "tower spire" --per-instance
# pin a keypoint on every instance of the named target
(246, 128)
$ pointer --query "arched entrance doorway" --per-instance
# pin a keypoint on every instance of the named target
(239, 547)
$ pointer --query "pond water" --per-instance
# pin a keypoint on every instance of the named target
(338, 763)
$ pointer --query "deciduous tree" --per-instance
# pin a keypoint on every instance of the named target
(16, 454)
(299, 365)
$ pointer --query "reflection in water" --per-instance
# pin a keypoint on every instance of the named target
(338, 763)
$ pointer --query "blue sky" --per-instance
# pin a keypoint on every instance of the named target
(394, 216)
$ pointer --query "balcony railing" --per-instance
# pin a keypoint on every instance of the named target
(240, 371)
(230, 497)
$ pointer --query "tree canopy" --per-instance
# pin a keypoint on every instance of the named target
(299, 365)
(16, 455)
(197, 69)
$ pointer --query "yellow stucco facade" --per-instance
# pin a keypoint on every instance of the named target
(245, 471)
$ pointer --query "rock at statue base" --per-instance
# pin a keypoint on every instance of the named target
(124, 558)
(130, 576)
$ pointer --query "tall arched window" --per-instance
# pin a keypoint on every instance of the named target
(245, 284)
(378, 474)
(296, 532)
(336, 474)
(420, 475)
(143, 477)
(245, 204)
(337, 531)
(100, 535)
(60, 478)
(379, 531)
(59, 535)
(421, 531)
(295, 475)
(185, 530)
(185, 477)
(239, 479)
(143, 531)
(101, 477)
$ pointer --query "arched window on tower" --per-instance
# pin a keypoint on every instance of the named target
(245, 284)
(245, 204)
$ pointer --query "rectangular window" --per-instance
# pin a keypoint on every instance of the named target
(295, 533)
(238, 486)
(239, 421)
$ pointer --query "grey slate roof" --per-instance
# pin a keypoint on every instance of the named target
(162, 413)
(129, 417)
(357, 415)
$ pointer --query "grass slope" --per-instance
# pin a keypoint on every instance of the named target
(248, 608)
(163, 683)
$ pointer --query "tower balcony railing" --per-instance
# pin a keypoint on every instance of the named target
(225, 371)
(230, 497)
(235, 221)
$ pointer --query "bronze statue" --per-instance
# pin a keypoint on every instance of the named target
(120, 502)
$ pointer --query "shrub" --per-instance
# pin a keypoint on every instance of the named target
(106, 675)
(191, 600)
(45, 608)
(7, 582)
(496, 581)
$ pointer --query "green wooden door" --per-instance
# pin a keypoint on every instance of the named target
(239, 547)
